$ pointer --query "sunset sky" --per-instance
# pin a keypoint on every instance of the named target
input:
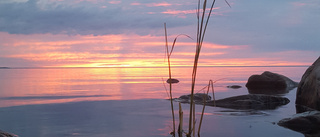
(130, 33)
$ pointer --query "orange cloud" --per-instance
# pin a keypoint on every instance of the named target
(248, 62)
(57, 40)
(205, 44)
(127, 51)
(191, 54)
(54, 56)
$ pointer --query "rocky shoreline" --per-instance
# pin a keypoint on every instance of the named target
(265, 92)
(307, 119)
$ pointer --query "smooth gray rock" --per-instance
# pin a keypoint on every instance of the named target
(243, 102)
(251, 101)
(270, 83)
(308, 91)
(307, 123)
(198, 98)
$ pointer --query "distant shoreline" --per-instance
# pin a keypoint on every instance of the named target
(4, 68)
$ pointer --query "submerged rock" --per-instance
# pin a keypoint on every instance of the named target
(243, 102)
(270, 83)
(307, 123)
(268, 91)
(241, 113)
(251, 101)
(308, 92)
(198, 98)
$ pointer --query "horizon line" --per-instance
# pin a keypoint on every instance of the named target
(156, 66)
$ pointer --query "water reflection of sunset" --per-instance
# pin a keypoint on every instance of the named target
(58, 85)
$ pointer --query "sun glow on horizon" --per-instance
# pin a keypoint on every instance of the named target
(225, 63)
(50, 50)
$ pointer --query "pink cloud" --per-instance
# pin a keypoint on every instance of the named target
(130, 50)
(135, 4)
(175, 12)
(115, 2)
(179, 12)
(298, 4)
(163, 4)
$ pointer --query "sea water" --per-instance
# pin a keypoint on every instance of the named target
(117, 102)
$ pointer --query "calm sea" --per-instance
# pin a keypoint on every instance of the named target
(22, 86)
(118, 102)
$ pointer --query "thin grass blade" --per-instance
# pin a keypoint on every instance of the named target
(174, 42)
(171, 101)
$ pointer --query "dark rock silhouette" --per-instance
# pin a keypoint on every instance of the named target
(5, 134)
(234, 86)
(270, 83)
(198, 98)
(307, 123)
(308, 92)
(172, 81)
(251, 101)
(243, 102)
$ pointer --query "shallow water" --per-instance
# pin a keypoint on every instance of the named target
(119, 102)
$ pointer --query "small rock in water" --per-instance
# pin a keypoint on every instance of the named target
(198, 98)
(172, 81)
(234, 86)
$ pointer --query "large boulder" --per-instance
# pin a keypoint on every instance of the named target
(307, 123)
(308, 92)
(270, 83)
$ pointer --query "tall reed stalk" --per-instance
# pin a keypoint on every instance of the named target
(168, 54)
(201, 30)
(204, 103)
(180, 130)
(170, 89)
(203, 17)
